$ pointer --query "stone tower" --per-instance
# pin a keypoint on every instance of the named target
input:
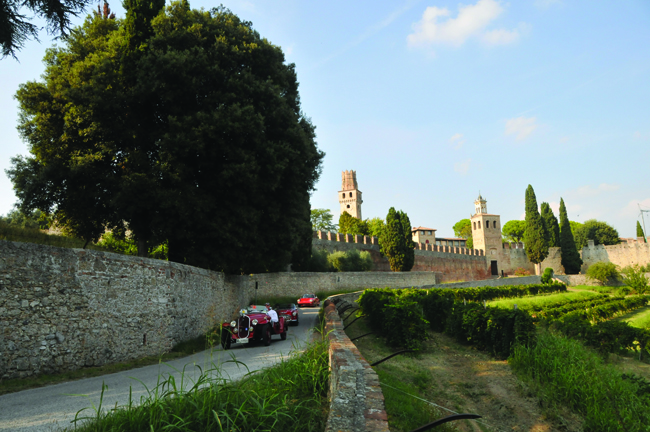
(486, 229)
(350, 195)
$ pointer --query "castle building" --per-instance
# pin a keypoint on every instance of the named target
(350, 195)
(486, 232)
(424, 235)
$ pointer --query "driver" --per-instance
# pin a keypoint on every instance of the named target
(273, 314)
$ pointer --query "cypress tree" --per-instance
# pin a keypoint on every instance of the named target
(571, 260)
(551, 226)
(409, 245)
(534, 236)
(639, 232)
(396, 241)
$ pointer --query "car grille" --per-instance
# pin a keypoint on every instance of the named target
(244, 327)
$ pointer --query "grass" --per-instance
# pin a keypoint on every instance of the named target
(527, 302)
(33, 235)
(564, 372)
(291, 396)
(614, 290)
(639, 318)
(183, 349)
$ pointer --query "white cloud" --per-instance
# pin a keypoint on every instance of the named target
(471, 21)
(462, 167)
(457, 141)
(631, 210)
(521, 127)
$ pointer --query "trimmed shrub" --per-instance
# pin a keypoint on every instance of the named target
(350, 261)
(603, 272)
(547, 276)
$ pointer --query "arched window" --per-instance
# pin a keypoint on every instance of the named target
(343, 194)
(474, 225)
(350, 194)
(487, 224)
(348, 205)
(479, 224)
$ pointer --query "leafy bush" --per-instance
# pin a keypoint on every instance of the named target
(634, 276)
(547, 276)
(603, 272)
(522, 272)
(319, 262)
(350, 261)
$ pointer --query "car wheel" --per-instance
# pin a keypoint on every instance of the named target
(225, 339)
(266, 337)
(283, 335)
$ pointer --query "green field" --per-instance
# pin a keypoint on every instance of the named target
(527, 302)
(639, 318)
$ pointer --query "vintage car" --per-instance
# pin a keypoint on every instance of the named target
(308, 300)
(252, 324)
(289, 311)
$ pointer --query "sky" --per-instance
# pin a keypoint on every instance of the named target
(434, 102)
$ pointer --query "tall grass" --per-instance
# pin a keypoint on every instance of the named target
(291, 396)
(565, 372)
(33, 235)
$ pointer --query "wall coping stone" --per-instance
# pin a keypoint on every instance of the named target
(356, 399)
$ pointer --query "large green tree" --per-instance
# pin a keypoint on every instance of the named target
(571, 260)
(639, 231)
(551, 225)
(463, 229)
(598, 231)
(321, 219)
(396, 241)
(186, 125)
(534, 236)
(16, 27)
(375, 226)
(513, 230)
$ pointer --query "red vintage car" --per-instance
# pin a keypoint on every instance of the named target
(289, 311)
(308, 300)
(253, 324)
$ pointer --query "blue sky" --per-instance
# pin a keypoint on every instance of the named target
(433, 101)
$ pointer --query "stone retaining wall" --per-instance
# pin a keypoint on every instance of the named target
(356, 399)
(64, 309)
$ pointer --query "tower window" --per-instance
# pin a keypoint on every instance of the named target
(350, 194)
(487, 224)
(479, 224)
(343, 194)
(474, 225)
(348, 205)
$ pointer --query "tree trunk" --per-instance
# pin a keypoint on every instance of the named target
(143, 249)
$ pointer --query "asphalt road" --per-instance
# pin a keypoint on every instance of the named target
(54, 407)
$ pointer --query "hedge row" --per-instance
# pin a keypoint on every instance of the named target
(561, 303)
(402, 316)
(584, 305)
(491, 293)
(609, 310)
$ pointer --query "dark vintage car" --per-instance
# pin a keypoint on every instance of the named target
(308, 300)
(252, 324)
(289, 311)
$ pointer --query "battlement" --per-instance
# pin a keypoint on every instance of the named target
(368, 240)
(349, 180)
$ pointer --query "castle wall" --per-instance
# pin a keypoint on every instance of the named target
(63, 309)
(623, 254)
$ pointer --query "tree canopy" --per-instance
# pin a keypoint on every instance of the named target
(513, 230)
(16, 27)
(321, 219)
(551, 225)
(571, 260)
(534, 235)
(184, 125)
(396, 241)
(463, 229)
(375, 226)
(599, 232)
(348, 224)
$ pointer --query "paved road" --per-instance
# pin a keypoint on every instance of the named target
(50, 408)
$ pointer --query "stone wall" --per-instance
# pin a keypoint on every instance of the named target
(63, 309)
(623, 254)
(507, 281)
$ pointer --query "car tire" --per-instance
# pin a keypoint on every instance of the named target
(283, 335)
(266, 336)
(226, 339)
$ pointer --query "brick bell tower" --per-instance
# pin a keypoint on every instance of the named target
(350, 195)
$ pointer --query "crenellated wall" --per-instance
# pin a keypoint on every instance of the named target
(623, 254)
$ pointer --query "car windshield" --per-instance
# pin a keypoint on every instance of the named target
(309, 296)
(256, 309)
(283, 306)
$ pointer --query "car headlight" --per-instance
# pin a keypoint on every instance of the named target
(235, 330)
(295, 312)
(233, 323)
(254, 322)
